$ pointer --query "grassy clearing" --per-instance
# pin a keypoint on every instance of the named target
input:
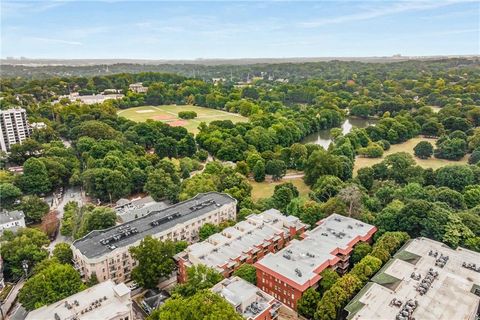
(265, 189)
(408, 146)
(169, 114)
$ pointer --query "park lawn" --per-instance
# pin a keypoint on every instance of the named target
(265, 189)
(408, 146)
(169, 114)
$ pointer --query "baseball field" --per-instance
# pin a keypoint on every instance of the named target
(169, 114)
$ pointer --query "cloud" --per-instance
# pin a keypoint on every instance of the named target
(377, 11)
(25, 7)
(57, 41)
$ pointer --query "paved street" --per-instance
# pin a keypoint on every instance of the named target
(71, 194)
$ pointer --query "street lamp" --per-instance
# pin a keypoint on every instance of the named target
(25, 267)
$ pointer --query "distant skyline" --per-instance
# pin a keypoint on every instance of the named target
(114, 29)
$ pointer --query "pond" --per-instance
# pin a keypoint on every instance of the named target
(324, 138)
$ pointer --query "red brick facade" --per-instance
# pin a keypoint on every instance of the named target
(289, 292)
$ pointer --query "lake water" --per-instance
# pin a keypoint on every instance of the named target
(324, 138)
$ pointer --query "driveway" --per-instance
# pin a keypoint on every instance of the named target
(71, 194)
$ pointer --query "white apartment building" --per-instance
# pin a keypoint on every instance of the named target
(106, 301)
(105, 252)
(11, 220)
(14, 127)
(138, 87)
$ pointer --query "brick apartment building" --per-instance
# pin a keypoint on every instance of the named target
(287, 273)
(105, 252)
(245, 242)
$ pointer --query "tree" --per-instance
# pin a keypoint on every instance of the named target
(365, 176)
(359, 251)
(474, 157)
(307, 304)
(423, 150)
(34, 208)
(451, 197)
(166, 147)
(63, 253)
(451, 149)
(161, 186)
(259, 171)
(207, 230)
(106, 184)
(95, 218)
(455, 177)
(35, 177)
(247, 272)
(187, 114)
(155, 260)
(329, 278)
(199, 183)
(326, 187)
(352, 196)
(283, 194)
(52, 284)
(199, 277)
(9, 194)
(367, 267)
(471, 195)
(276, 168)
(203, 305)
(27, 244)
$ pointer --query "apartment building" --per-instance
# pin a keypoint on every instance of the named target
(138, 87)
(11, 220)
(424, 280)
(248, 300)
(106, 301)
(287, 273)
(14, 127)
(245, 242)
(105, 252)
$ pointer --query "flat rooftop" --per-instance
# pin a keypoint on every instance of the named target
(450, 295)
(301, 260)
(221, 248)
(100, 242)
(102, 301)
(247, 299)
(10, 216)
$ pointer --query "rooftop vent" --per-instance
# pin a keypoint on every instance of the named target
(287, 256)
(298, 272)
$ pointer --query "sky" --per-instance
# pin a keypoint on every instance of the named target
(113, 29)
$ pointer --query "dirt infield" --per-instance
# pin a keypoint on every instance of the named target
(177, 123)
(163, 117)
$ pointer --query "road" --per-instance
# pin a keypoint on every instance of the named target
(71, 194)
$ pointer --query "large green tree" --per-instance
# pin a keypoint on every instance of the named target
(203, 305)
(161, 186)
(34, 208)
(24, 245)
(55, 282)
(35, 177)
(155, 260)
(247, 272)
(307, 304)
(199, 277)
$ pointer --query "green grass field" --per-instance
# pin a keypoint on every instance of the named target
(169, 114)
(408, 146)
(265, 189)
